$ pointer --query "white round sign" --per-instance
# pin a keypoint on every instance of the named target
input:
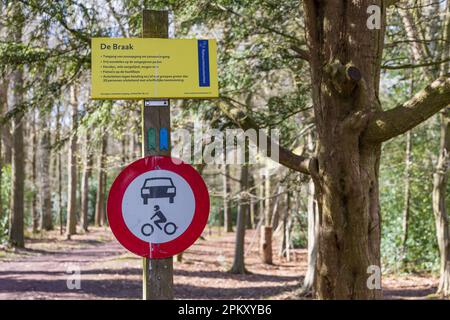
(158, 206)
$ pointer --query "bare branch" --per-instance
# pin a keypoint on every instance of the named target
(391, 123)
(413, 66)
(389, 3)
(301, 53)
(286, 157)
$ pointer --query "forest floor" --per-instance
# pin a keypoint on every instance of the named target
(110, 272)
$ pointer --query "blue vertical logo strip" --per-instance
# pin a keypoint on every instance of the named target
(203, 63)
(163, 139)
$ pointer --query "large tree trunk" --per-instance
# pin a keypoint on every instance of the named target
(44, 170)
(441, 179)
(87, 168)
(16, 223)
(238, 262)
(100, 199)
(345, 71)
(72, 167)
(439, 205)
(228, 221)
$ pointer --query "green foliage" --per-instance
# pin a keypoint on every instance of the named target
(216, 211)
(300, 231)
(422, 251)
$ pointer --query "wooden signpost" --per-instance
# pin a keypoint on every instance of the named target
(157, 284)
(160, 69)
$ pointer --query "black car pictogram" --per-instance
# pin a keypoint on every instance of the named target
(158, 188)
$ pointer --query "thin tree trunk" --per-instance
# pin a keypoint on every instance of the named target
(34, 212)
(239, 262)
(5, 127)
(275, 217)
(1, 177)
(284, 222)
(44, 170)
(104, 181)
(407, 190)
(59, 171)
(407, 198)
(228, 221)
(124, 150)
(99, 205)
(251, 212)
(261, 197)
(266, 230)
(3, 108)
(87, 167)
(16, 227)
(313, 241)
(72, 167)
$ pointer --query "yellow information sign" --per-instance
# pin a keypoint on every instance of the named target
(124, 68)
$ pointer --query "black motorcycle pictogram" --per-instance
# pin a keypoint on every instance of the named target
(160, 222)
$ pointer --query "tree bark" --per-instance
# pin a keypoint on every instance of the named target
(16, 222)
(239, 262)
(351, 125)
(439, 205)
(72, 167)
(44, 170)
(87, 168)
(345, 93)
(440, 181)
(345, 59)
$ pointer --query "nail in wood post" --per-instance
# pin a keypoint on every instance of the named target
(157, 273)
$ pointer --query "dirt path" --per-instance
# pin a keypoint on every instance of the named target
(109, 272)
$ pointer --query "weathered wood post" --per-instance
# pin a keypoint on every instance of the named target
(157, 273)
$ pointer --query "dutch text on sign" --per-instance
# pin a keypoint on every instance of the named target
(124, 68)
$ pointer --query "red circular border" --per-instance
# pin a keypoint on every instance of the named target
(177, 245)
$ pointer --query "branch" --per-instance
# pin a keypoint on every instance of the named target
(389, 3)
(302, 54)
(286, 157)
(389, 124)
(413, 66)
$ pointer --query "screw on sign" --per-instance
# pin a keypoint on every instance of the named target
(158, 206)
